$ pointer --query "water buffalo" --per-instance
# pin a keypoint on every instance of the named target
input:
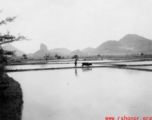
(86, 64)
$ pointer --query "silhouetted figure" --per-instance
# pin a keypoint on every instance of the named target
(76, 62)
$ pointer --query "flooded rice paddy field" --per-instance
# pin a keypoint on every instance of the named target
(85, 93)
(135, 63)
(43, 66)
(138, 65)
(99, 63)
(54, 64)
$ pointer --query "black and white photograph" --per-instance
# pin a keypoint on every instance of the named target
(75, 59)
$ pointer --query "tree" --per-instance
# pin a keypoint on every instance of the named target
(46, 57)
(24, 56)
(75, 57)
(58, 56)
(10, 90)
(7, 38)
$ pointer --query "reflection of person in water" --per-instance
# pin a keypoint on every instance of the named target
(76, 62)
(76, 72)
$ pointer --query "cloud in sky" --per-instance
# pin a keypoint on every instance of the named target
(76, 23)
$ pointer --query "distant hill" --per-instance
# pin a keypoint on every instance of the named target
(61, 51)
(42, 51)
(129, 44)
(136, 43)
(111, 48)
(88, 51)
(30, 55)
(10, 47)
(76, 52)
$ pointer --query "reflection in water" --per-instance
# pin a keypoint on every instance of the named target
(76, 72)
(85, 69)
(11, 101)
(43, 66)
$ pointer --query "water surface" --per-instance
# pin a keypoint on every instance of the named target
(52, 65)
(135, 63)
(85, 94)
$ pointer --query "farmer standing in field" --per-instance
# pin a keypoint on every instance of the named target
(76, 62)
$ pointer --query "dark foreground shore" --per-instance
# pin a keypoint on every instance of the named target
(11, 98)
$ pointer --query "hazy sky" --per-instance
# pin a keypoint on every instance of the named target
(75, 24)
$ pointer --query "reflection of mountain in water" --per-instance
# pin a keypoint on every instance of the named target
(11, 101)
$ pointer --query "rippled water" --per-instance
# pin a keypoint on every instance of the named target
(85, 94)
